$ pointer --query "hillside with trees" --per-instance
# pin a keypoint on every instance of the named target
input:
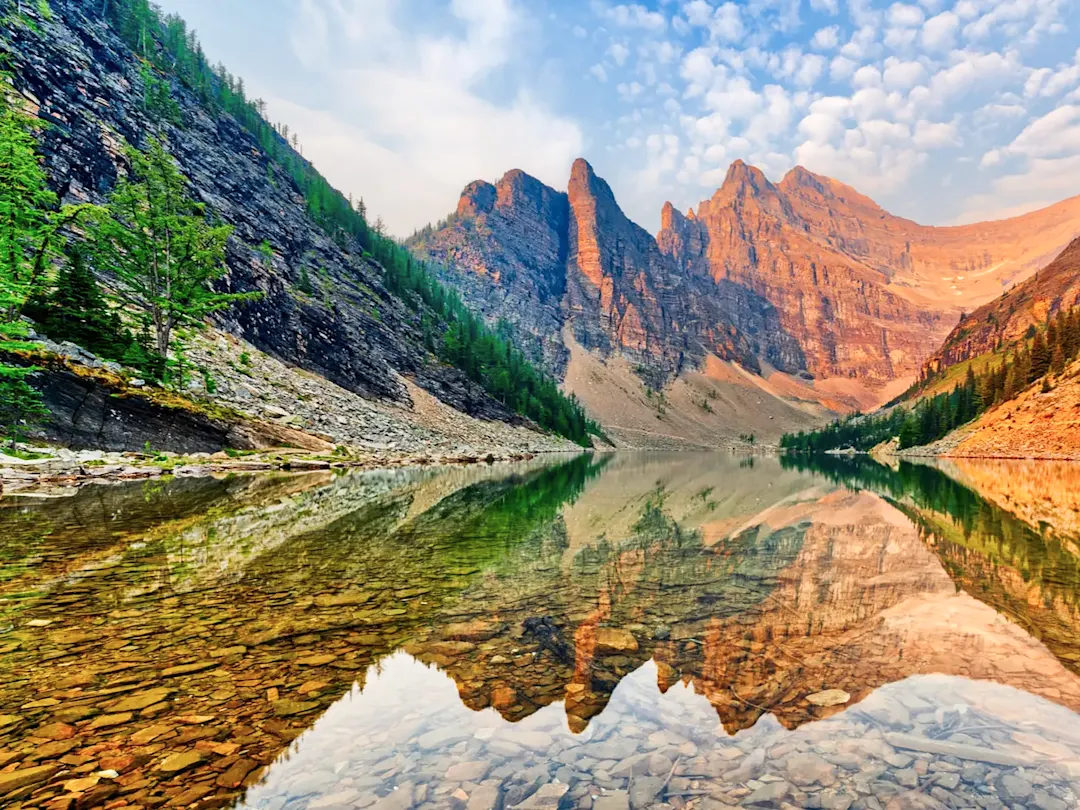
(199, 208)
(1039, 360)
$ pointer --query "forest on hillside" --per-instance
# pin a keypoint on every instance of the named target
(1039, 358)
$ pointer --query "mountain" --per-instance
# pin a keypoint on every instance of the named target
(1008, 317)
(337, 299)
(803, 295)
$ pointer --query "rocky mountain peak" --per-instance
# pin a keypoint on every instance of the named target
(744, 179)
(478, 198)
(671, 217)
(800, 176)
(587, 188)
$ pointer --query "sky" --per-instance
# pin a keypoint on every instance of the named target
(944, 111)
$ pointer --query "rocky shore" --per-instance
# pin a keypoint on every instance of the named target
(69, 469)
(239, 410)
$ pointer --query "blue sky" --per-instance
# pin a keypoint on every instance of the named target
(944, 111)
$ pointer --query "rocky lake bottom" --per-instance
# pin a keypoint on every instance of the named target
(607, 632)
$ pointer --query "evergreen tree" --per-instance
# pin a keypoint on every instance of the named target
(1057, 362)
(29, 227)
(161, 248)
(75, 309)
(1040, 358)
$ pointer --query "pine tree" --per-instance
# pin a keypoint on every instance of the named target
(1057, 362)
(75, 309)
(1040, 358)
(29, 227)
(161, 248)
(1013, 383)
(1072, 334)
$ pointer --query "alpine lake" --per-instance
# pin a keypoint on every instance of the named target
(605, 632)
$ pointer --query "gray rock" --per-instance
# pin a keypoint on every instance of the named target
(643, 789)
(771, 793)
(1044, 801)
(546, 798)
(809, 769)
(948, 781)
(616, 800)
(836, 801)
(483, 797)
(1013, 788)
(907, 777)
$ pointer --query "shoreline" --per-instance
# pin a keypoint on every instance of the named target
(26, 477)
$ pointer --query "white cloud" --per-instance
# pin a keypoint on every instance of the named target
(634, 16)
(866, 76)
(826, 39)
(1047, 82)
(619, 53)
(902, 14)
(826, 6)
(598, 72)
(903, 75)
(1046, 157)
(369, 142)
(939, 33)
(841, 68)
(929, 135)
(724, 22)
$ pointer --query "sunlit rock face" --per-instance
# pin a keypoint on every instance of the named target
(803, 276)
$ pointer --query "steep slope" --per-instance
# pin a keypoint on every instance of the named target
(1007, 318)
(327, 306)
(1037, 424)
(512, 238)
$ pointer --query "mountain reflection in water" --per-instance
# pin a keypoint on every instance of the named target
(610, 632)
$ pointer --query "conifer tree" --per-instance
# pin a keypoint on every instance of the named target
(1040, 358)
(1057, 362)
(161, 248)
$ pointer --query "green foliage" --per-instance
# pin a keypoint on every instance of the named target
(20, 406)
(304, 285)
(158, 100)
(28, 226)
(266, 250)
(161, 250)
(74, 309)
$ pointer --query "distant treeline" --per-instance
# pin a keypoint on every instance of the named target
(453, 332)
(1040, 356)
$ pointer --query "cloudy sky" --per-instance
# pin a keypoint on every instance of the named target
(944, 111)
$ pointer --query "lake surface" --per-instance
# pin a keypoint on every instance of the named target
(600, 632)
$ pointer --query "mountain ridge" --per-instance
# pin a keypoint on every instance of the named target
(805, 282)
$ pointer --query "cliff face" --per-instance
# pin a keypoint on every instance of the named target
(543, 260)
(504, 250)
(805, 276)
(841, 313)
(76, 74)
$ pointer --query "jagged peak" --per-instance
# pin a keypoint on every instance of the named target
(585, 183)
(800, 178)
(670, 217)
(800, 175)
(477, 198)
(742, 178)
(581, 170)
